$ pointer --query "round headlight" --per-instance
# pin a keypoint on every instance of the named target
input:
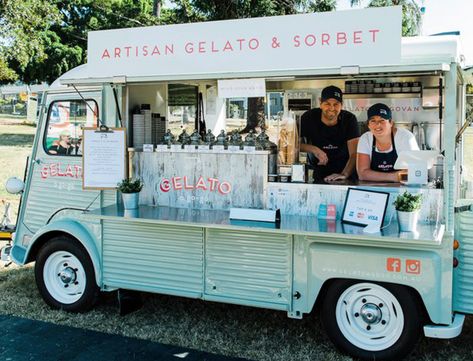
(14, 185)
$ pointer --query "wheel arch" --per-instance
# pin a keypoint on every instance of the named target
(73, 230)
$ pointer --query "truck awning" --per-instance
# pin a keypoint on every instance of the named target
(83, 79)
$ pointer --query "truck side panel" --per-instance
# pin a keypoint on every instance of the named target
(426, 271)
(463, 273)
(249, 266)
(154, 258)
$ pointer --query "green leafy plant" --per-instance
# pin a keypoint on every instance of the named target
(129, 185)
(407, 202)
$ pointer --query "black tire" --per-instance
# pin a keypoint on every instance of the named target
(361, 311)
(65, 275)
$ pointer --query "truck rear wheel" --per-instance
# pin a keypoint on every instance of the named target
(65, 275)
(371, 321)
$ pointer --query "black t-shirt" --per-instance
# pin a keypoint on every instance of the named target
(332, 140)
(59, 149)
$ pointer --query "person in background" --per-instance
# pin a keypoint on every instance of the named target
(331, 135)
(378, 148)
(63, 146)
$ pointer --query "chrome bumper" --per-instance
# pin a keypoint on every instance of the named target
(5, 254)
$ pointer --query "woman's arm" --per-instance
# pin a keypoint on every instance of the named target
(365, 173)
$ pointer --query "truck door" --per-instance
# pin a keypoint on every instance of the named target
(54, 185)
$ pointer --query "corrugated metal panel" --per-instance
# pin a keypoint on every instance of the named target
(47, 193)
(153, 257)
(109, 197)
(463, 274)
(251, 266)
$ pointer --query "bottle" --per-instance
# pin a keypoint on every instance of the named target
(263, 143)
(184, 138)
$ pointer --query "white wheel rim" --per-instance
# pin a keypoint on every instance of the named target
(369, 316)
(64, 277)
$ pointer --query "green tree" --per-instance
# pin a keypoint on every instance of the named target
(199, 10)
(22, 24)
(66, 41)
(411, 13)
(45, 38)
(319, 6)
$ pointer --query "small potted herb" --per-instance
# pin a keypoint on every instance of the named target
(130, 189)
(408, 206)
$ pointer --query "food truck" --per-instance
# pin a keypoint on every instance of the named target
(214, 221)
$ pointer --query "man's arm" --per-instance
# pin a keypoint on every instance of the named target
(305, 134)
(352, 144)
(347, 171)
(316, 151)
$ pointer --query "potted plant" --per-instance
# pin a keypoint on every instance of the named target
(130, 189)
(408, 206)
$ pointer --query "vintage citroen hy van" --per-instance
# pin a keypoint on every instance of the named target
(377, 292)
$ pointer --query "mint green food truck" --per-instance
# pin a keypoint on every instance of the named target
(241, 221)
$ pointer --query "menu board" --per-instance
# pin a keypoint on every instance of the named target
(103, 160)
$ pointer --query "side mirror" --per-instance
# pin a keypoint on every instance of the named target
(14, 185)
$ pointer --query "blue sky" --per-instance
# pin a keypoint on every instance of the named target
(442, 16)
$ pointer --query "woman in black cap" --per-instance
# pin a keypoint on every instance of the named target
(378, 149)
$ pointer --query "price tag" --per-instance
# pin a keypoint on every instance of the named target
(233, 148)
(176, 147)
(249, 148)
(203, 147)
(161, 148)
(148, 148)
(218, 148)
(189, 147)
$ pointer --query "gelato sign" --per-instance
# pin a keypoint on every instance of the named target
(297, 42)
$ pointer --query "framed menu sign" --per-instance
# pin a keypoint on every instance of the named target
(103, 160)
(365, 207)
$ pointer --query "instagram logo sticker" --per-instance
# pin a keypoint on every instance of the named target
(413, 266)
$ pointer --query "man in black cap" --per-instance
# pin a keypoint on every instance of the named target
(331, 135)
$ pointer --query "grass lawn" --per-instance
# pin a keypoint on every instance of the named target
(252, 333)
(16, 139)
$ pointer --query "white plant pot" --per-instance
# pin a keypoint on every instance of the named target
(130, 200)
(407, 221)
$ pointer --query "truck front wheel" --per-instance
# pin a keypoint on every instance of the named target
(371, 321)
(65, 275)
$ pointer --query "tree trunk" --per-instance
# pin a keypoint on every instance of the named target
(157, 8)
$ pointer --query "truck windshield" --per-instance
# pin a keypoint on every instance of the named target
(66, 119)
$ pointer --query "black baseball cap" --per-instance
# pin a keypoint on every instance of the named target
(331, 92)
(380, 109)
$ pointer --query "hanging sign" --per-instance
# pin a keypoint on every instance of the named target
(241, 88)
(103, 158)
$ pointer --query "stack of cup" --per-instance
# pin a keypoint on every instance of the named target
(138, 130)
